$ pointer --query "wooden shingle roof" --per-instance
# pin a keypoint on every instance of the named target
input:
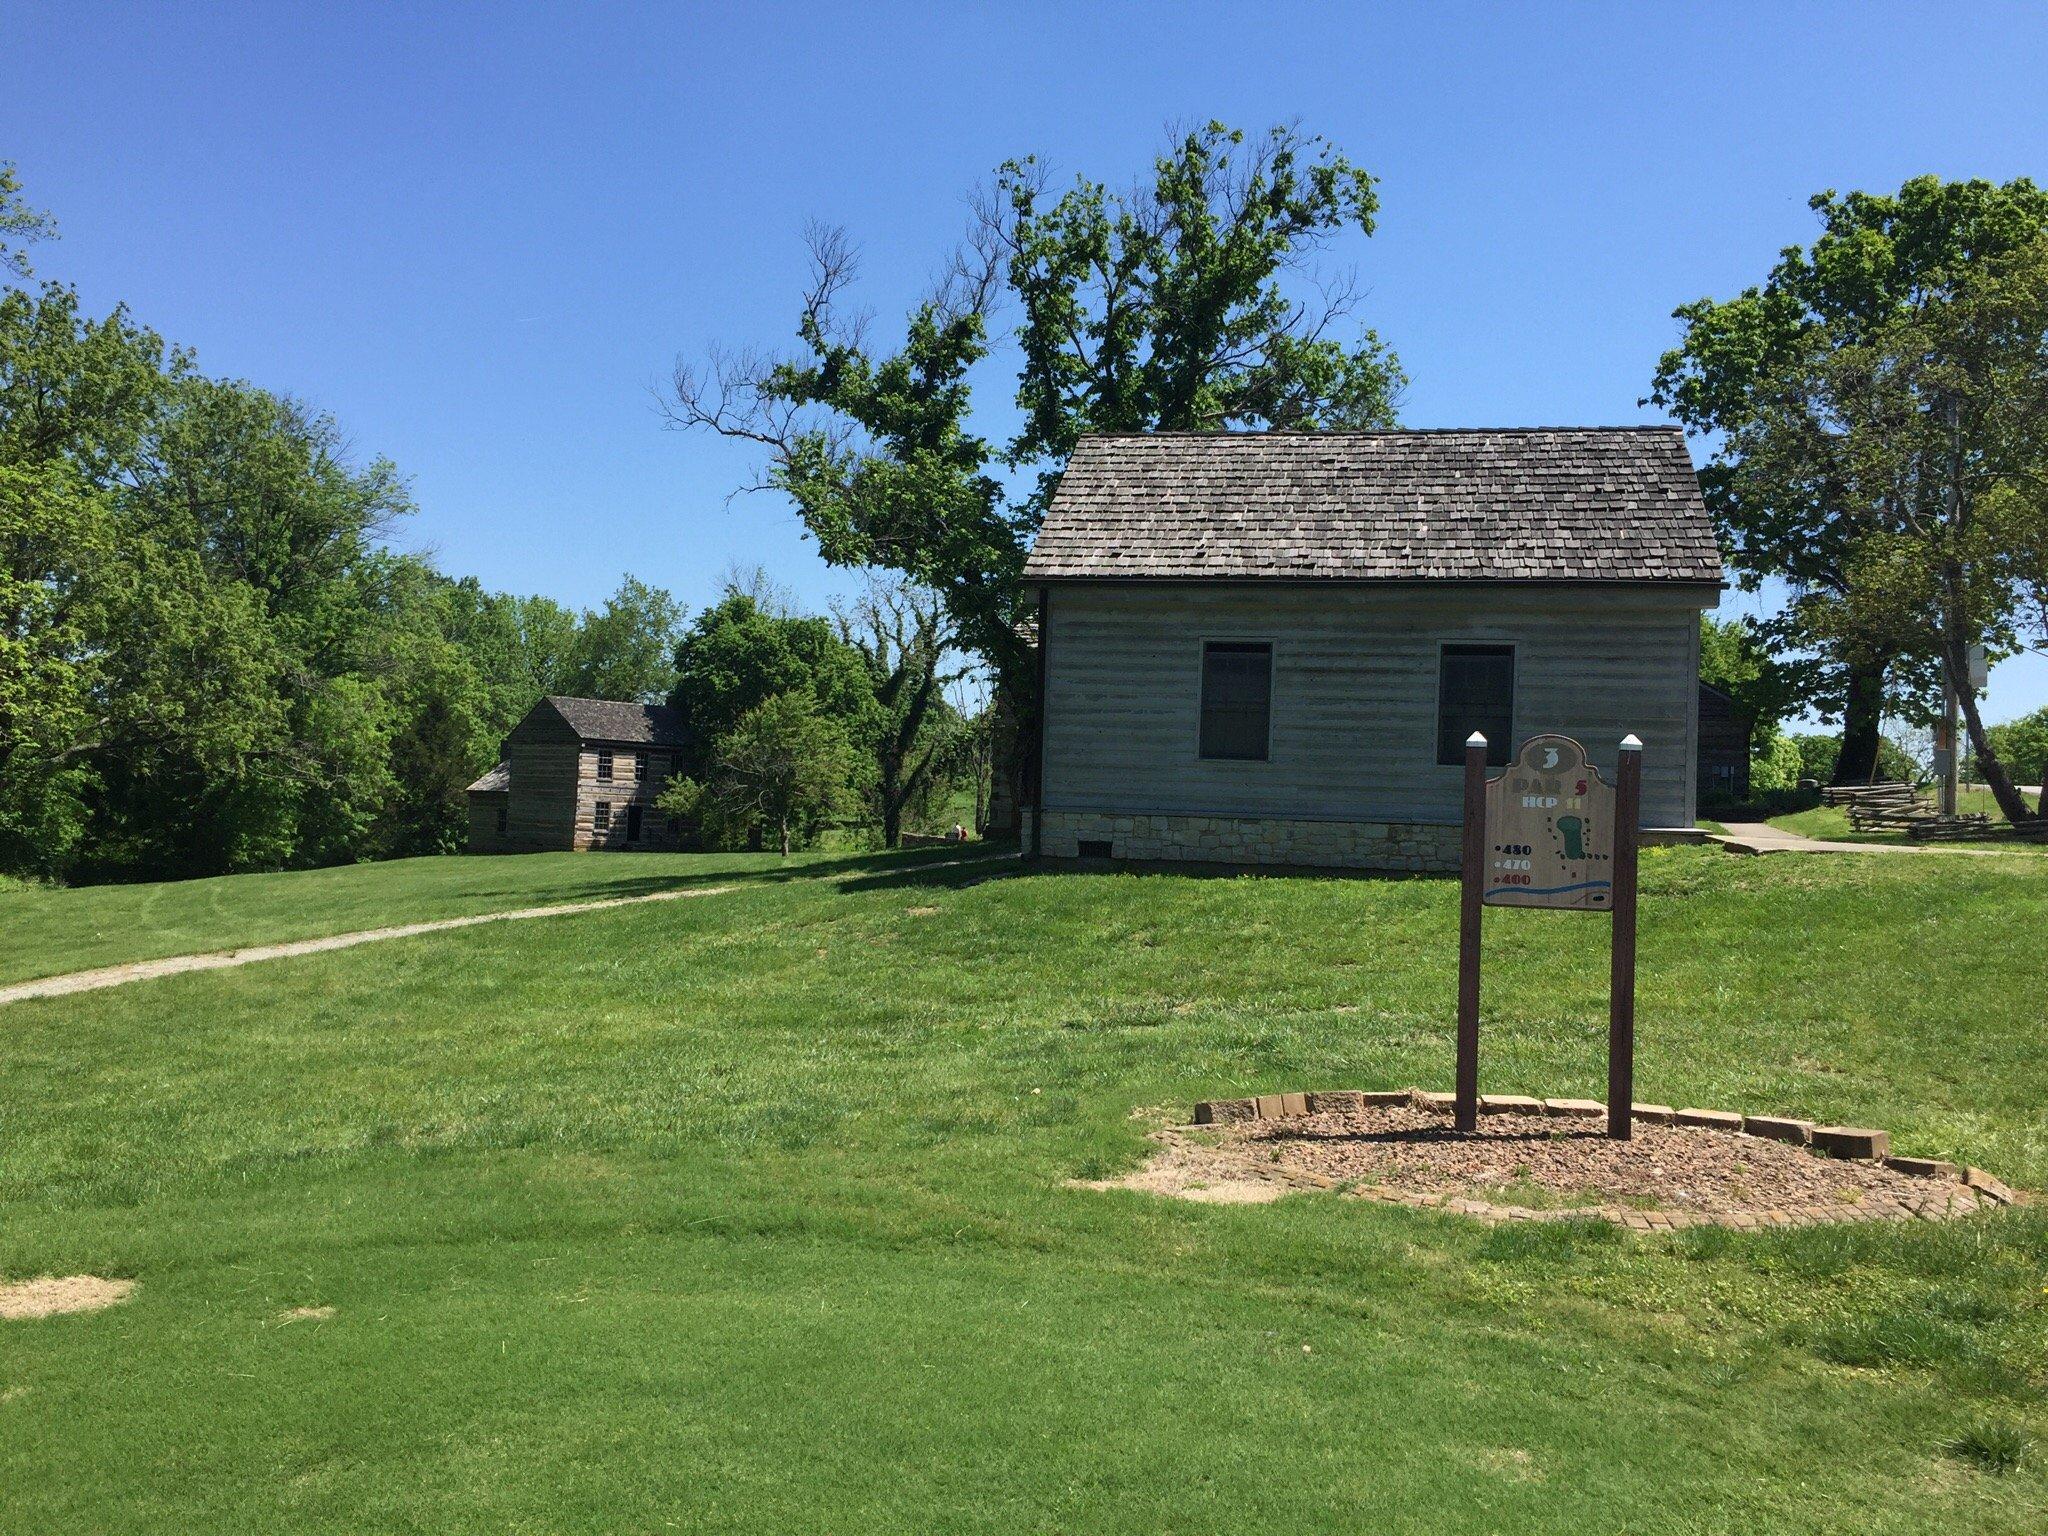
(654, 725)
(1534, 504)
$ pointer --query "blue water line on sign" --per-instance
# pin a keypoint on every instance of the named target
(1551, 890)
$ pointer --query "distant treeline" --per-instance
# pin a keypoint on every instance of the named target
(210, 661)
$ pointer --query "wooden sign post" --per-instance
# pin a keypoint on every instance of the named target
(1550, 832)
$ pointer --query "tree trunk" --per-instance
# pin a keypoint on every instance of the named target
(892, 818)
(784, 824)
(1862, 718)
(2010, 801)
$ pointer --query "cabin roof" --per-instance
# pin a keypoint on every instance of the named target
(1536, 504)
(653, 725)
(496, 782)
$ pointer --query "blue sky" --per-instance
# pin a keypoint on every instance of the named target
(481, 235)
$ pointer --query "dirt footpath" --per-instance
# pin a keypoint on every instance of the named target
(220, 960)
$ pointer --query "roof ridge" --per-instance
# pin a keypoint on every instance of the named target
(1235, 433)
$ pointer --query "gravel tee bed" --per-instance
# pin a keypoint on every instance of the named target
(1536, 1166)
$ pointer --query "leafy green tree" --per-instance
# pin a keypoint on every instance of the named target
(784, 768)
(1817, 754)
(55, 538)
(908, 734)
(877, 453)
(2023, 743)
(1164, 309)
(262, 488)
(486, 627)
(626, 649)
(1735, 658)
(127, 656)
(445, 704)
(1776, 764)
(20, 225)
(548, 636)
(209, 660)
(257, 489)
(71, 387)
(736, 655)
(1778, 482)
(1938, 420)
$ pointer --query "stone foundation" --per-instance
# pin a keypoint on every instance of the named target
(1396, 845)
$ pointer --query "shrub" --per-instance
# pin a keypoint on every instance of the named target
(1777, 766)
(1817, 756)
(2022, 745)
(1759, 807)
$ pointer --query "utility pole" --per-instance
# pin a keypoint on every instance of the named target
(1947, 757)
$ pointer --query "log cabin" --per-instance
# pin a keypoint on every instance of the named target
(1269, 648)
(1724, 746)
(578, 774)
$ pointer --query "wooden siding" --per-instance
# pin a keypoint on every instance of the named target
(1354, 693)
(555, 791)
(1724, 747)
(484, 810)
(542, 815)
(620, 791)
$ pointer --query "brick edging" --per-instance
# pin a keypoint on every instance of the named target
(1953, 1190)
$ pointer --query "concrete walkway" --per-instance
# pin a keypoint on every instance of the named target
(1760, 837)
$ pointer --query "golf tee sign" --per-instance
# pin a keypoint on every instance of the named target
(1551, 832)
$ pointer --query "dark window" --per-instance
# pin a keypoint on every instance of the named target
(601, 816)
(502, 813)
(604, 764)
(632, 823)
(1475, 691)
(639, 766)
(1237, 700)
(1093, 848)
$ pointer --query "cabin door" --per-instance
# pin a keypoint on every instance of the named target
(632, 823)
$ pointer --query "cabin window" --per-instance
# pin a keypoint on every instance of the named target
(1475, 691)
(503, 813)
(1237, 700)
(639, 766)
(604, 764)
(601, 816)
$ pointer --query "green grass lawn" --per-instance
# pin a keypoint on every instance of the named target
(750, 1214)
(48, 930)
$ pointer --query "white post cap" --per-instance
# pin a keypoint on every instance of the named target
(1631, 742)
(1475, 740)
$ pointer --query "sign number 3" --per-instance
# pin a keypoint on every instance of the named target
(1551, 832)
